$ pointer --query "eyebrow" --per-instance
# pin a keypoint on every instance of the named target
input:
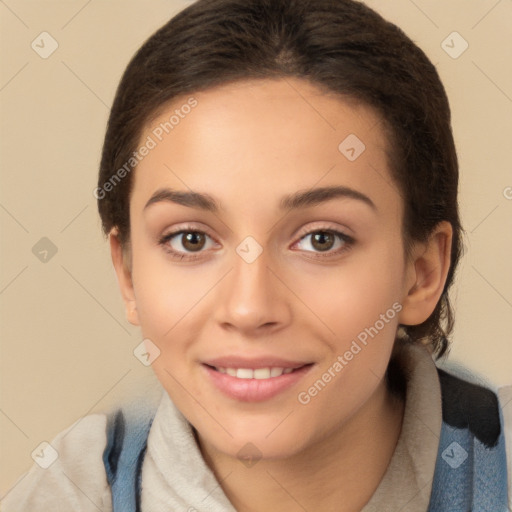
(299, 199)
(190, 199)
(315, 196)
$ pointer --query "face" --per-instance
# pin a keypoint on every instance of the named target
(267, 262)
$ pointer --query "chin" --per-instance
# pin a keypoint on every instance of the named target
(263, 443)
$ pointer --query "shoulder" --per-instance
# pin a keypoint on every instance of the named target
(69, 474)
(471, 467)
(505, 396)
(467, 405)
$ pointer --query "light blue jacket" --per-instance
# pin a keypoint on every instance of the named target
(470, 472)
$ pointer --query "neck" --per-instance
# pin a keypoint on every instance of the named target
(340, 472)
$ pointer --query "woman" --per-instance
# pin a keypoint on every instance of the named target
(279, 187)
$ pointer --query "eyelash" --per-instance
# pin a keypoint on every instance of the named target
(347, 240)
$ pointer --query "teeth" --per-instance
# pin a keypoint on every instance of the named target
(262, 373)
(244, 373)
(275, 372)
(258, 373)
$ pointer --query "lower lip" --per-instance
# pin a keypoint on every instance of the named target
(254, 390)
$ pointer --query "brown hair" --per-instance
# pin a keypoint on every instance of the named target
(343, 47)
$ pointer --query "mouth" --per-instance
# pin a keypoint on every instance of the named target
(269, 372)
(255, 382)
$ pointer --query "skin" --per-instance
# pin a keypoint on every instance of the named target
(247, 145)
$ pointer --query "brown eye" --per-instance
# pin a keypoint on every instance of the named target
(325, 242)
(322, 240)
(186, 243)
(193, 240)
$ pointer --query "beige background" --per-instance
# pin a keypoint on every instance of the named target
(66, 349)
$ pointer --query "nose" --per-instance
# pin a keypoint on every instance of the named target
(253, 300)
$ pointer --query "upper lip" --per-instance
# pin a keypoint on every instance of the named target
(254, 363)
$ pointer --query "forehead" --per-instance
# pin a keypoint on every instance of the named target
(249, 139)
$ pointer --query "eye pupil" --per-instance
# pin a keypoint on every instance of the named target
(193, 241)
(323, 240)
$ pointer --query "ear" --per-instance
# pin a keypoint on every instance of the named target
(426, 275)
(120, 260)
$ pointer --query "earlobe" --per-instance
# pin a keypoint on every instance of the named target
(428, 270)
(124, 276)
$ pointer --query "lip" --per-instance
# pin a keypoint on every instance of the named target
(254, 390)
(254, 363)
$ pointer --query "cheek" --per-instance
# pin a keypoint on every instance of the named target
(361, 310)
(352, 297)
(162, 296)
(174, 305)
(165, 306)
